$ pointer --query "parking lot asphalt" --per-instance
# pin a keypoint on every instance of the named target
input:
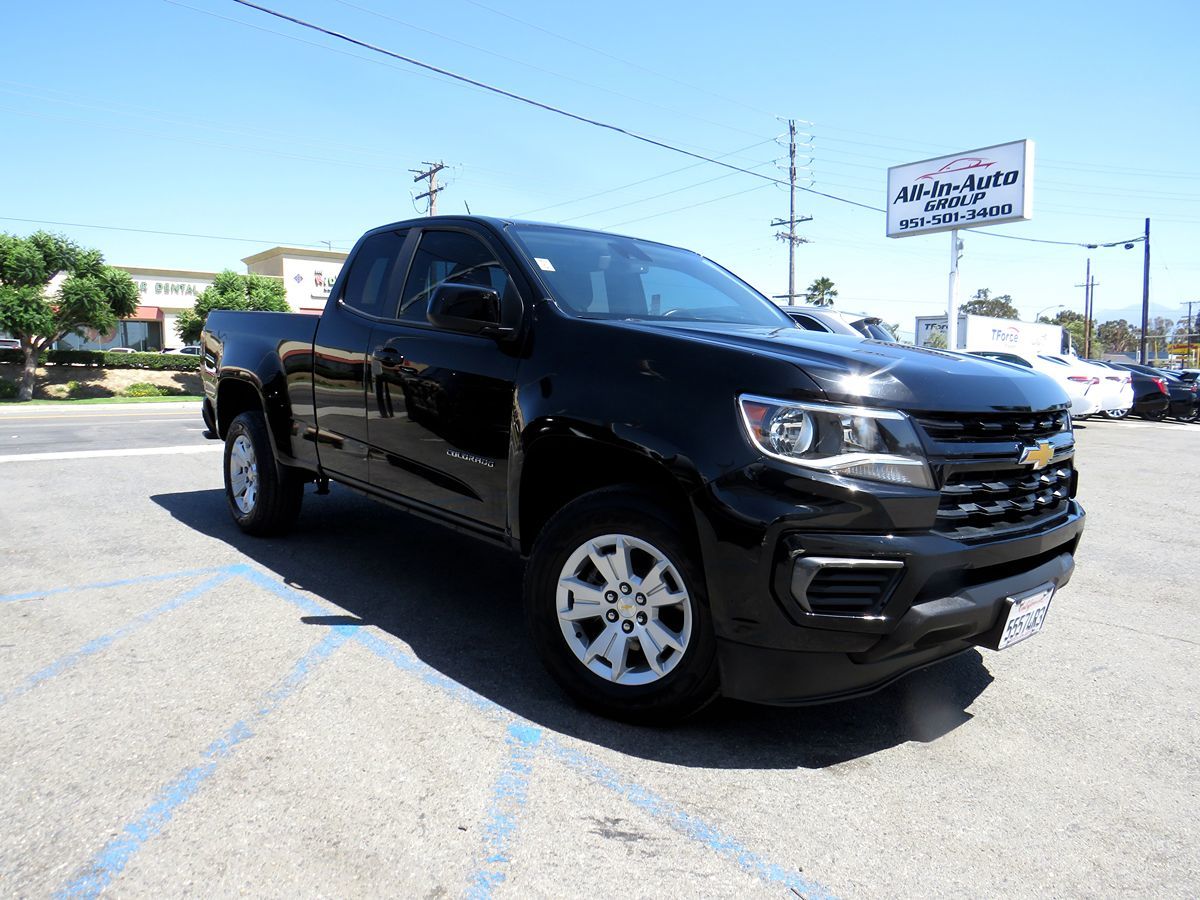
(354, 710)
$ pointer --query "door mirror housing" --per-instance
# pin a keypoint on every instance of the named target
(471, 309)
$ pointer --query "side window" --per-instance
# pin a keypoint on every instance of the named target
(449, 256)
(374, 280)
(809, 323)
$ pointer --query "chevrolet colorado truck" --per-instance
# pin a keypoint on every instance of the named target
(711, 500)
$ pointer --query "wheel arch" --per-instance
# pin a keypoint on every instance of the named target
(557, 469)
(238, 393)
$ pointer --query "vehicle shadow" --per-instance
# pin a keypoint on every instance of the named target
(456, 603)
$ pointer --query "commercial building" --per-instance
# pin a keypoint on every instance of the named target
(308, 276)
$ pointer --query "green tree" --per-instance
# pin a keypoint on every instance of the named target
(1117, 336)
(1064, 317)
(984, 304)
(89, 295)
(230, 290)
(1157, 335)
(1075, 325)
(821, 292)
(936, 340)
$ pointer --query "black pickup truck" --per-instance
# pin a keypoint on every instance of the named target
(711, 499)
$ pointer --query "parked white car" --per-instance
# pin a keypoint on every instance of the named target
(1080, 380)
(1117, 384)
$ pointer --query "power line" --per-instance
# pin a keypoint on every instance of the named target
(641, 181)
(607, 55)
(511, 95)
(537, 68)
(210, 237)
(690, 206)
(686, 187)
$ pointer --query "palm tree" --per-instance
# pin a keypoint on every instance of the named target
(821, 292)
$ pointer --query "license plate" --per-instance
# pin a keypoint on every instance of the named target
(1026, 615)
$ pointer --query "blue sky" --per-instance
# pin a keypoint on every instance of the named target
(202, 116)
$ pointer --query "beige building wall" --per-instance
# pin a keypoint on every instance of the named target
(308, 275)
(169, 290)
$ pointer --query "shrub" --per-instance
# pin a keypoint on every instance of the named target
(17, 357)
(71, 390)
(8, 389)
(145, 389)
(162, 362)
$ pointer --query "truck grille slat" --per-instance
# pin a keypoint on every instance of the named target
(993, 426)
(979, 503)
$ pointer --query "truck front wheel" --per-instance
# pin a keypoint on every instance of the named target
(615, 601)
(263, 498)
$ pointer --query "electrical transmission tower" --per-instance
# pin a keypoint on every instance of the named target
(790, 237)
(434, 189)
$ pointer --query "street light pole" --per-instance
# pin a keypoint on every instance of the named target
(1145, 292)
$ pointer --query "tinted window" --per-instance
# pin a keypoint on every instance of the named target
(449, 256)
(374, 282)
(808, 322)
(605, 276)
(1008, 358)
(873, 328)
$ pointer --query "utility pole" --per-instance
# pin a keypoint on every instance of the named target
(1145, 292)
(790, 237)
(1089, 304)
(1191, 328)
(431, 175)
(956, 247)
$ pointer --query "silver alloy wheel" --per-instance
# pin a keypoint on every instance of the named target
(624, 609)
(243, 474)
(1117, 413)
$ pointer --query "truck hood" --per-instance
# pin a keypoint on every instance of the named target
(879, 373)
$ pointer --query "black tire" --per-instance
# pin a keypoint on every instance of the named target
(277, 494)
(692, 680)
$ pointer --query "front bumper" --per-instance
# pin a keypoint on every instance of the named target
(948, 595)
(929, 632)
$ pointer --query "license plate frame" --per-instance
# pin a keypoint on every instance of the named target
(1026, 615)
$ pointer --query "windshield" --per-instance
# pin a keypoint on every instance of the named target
(604, 276)
(1054, 359)
(874, 328)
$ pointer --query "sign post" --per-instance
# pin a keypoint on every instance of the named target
(989, 186)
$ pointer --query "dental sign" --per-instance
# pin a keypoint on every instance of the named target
(979, 187)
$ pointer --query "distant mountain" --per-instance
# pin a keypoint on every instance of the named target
(1133, 314)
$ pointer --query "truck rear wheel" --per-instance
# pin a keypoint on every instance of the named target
(263, 498)
(615, 601)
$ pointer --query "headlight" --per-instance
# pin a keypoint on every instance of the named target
(853, 441)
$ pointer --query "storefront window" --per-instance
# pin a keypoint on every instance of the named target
(141, 336)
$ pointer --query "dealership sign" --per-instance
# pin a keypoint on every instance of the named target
(979, 187)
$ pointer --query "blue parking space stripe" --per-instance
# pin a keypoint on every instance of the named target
(688, 825)
(122, 582)
(508, 801)
(93, 647)
(592, 770)
(115, 855)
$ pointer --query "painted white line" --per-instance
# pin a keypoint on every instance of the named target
(98, 454)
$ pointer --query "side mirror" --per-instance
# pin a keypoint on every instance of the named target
(469, 308)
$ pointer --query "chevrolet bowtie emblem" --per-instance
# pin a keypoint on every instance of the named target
(1039, 457)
